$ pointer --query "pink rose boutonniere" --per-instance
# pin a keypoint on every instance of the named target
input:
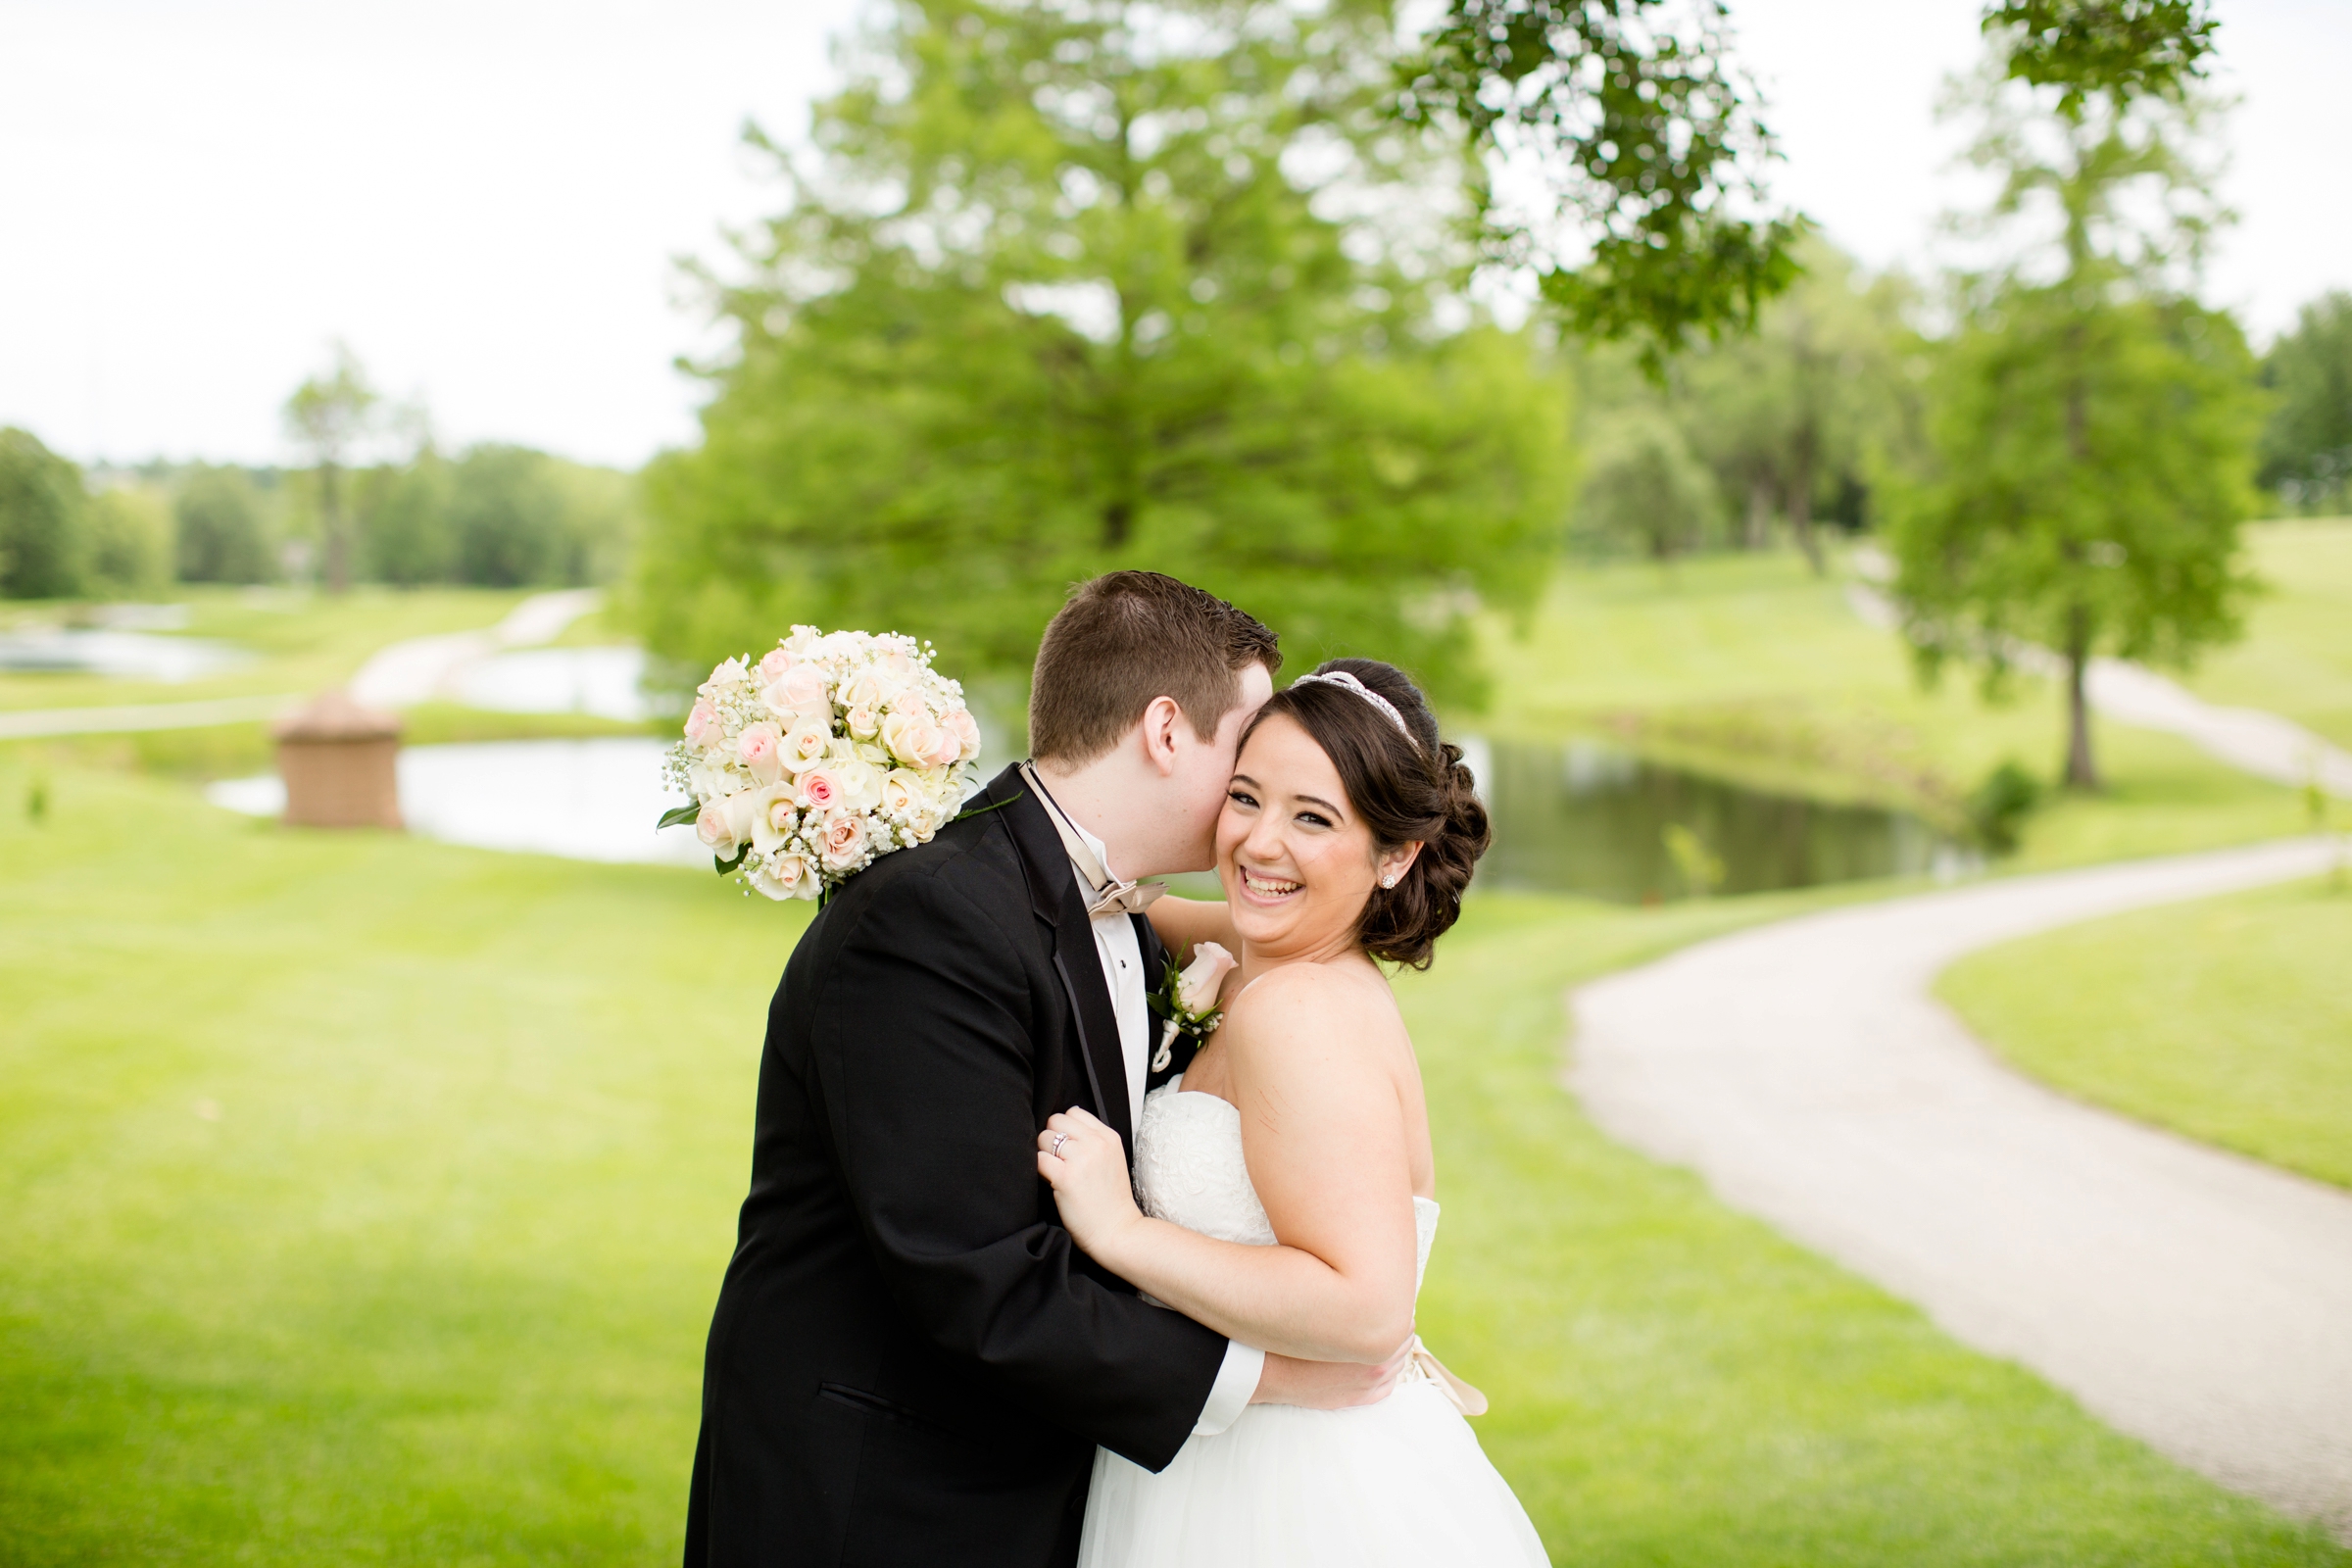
(1187, 1000)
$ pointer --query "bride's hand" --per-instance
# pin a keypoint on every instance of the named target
(1090, 1180)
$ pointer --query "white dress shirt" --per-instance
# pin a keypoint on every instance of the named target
(1122, 958)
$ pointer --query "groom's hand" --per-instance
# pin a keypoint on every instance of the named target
(1329, 1384)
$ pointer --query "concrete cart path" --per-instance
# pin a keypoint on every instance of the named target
(2195, 1298)
(2251, 740)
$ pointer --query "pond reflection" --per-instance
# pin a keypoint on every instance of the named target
(1568, 819)
(1583, 817)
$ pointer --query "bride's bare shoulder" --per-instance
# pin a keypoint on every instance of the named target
(1305, 1012)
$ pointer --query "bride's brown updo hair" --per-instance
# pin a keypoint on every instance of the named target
(1404, 788)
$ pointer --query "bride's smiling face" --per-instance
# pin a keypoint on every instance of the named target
(1296, 863)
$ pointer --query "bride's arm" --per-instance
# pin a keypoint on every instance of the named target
(1323, 1132)
(1183, 922)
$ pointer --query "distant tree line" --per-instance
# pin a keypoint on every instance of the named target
(2307, 442)
(1758, 439)
(491, 516)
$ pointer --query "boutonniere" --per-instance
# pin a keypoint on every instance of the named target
(1187, 1000)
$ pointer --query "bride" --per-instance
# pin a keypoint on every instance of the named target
(1287, 1178)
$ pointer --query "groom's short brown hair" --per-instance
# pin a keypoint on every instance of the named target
(1128, 637)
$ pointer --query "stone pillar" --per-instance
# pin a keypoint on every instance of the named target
(338, 761)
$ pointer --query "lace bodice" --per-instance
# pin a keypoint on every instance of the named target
(1189, 1171)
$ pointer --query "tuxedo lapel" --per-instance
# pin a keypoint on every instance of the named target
(1156, 973)
(1054, 900)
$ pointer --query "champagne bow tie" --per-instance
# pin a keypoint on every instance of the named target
(1105, 894)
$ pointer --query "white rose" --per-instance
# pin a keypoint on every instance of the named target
(860, 782)
(723, 676)
(773, 817)
(786, 876)
(807, 744)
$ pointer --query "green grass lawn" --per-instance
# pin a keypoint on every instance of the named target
(2297, 657)
(1749, 667)
(304, 639)
(2229, 1019)
(366, 1199)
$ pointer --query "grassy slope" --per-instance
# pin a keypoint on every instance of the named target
(1748, 668)
(2297, 655)
(2227, 1019)
(431, 1287)
(304, 639)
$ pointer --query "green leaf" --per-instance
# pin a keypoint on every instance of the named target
(680, 815)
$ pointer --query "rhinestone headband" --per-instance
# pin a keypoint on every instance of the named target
(1349, 683)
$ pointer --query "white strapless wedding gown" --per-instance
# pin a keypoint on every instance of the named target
(1402, 1484)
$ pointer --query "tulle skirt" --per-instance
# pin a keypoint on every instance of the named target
(1402, 1484)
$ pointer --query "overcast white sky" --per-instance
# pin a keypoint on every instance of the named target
(485, 198)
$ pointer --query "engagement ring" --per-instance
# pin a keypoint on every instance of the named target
(1060, 1139)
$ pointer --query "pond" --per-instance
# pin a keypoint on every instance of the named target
(1575, 819)
(608, 682)
(586, 800)
(1584, 818)
(121, 654)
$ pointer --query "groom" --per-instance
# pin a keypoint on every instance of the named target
(911, 1363)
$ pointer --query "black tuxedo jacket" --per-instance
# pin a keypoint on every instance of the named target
(910, 1362)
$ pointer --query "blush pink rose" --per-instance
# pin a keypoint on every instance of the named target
(704, 726)
(775, 663)
(918, 740)
(821, 788)
(1197, 988)
(966, 730)
(842, 841)
(714, 830)
(758, 749)
(799, 690)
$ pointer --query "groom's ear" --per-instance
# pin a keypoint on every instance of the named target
(1157, 733)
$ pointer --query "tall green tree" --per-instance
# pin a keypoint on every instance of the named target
(221, 535)
(1621, 158)
(1069, 289)
(2093, 425)
(327, 414)
(2307, 441)
(43, 546)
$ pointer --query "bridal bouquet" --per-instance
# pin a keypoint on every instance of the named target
(830, 752)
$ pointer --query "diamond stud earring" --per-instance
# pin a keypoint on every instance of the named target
(1388, 881)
